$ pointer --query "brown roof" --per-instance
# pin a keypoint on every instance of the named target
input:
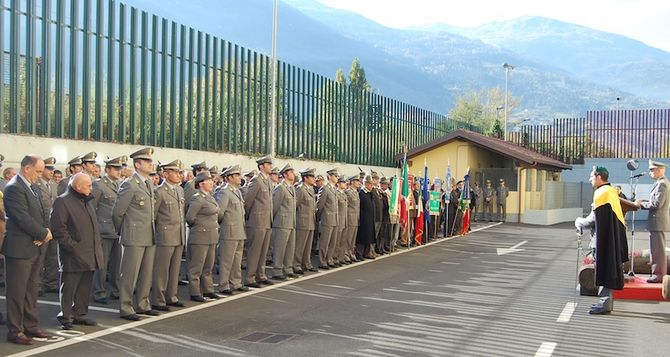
(514, 151)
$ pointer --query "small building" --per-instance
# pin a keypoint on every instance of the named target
(525, 172)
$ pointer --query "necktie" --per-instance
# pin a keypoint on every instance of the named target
(148, 183)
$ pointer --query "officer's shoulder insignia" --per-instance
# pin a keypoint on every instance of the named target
(137, 181)
(165, 188)
(196, 194)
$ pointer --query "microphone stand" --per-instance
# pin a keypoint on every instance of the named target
(633, 181)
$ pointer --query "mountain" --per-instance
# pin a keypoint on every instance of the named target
(600, 57)
(425, 67)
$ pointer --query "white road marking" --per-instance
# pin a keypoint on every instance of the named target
(57, 303)
(184, 311)
(513, 249)
(566, 314)
(436, 271)
(546, 349)
(451, 263)
(335, 286)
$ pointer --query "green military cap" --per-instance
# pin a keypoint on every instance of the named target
(75, 161)
(199, 165)
(274, 171)
(306, 172)
(342, 179)
(202, 176)
(333, 172)
(235, 169)
(144, 154)
(367, 179)
(374, 174)
(173, 165)
(319, 177)
(90, 157)
(384, 180)
(656, 164)
(264, 160)
(354, 178)
(117, 161)
(286, 168)
(50, 163)
(214, 170)
(251, 173)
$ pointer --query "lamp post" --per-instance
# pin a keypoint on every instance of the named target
(508, 67)
(273, 115)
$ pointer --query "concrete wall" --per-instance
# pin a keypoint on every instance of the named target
(14, 147)
(550, 216)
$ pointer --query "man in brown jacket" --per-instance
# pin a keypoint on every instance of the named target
(73, 223)
(258, 215)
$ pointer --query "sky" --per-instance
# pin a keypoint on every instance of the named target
(644, 20)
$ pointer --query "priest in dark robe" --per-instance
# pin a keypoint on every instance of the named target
(611, 246)
(366, 230)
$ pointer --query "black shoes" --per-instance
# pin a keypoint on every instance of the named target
(198, 298)
(131, 317)
(253, 285)
(654, 280)
(243, 289)
(102, 300)
(160, 307)
(214, 296)
(314, 270)
(176, 304)
(226, 292)
(149, 313)
(279, 277)
(267, 282)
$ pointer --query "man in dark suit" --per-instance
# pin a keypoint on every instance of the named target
(74, 225)
(26, 233)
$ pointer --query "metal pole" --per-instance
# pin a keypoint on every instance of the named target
(273, 115)
(506, 96)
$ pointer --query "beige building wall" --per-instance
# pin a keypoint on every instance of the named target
(14, 147)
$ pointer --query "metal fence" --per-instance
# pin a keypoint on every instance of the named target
(602, 134)
(100, 70)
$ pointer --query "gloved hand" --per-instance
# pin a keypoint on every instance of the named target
(579, 222)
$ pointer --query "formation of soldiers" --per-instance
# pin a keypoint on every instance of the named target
(150, 217)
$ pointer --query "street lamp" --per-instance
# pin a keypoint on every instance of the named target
(508, 67)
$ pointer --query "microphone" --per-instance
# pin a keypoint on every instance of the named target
(639, 175)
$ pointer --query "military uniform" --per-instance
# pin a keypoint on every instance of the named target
(283, 227)
(133, 216)
(170, 240)
(203, 217)
(327, 216)
(353, 218)
(305, 200)
(501, 195)
(62, 185)
(189, 188)
(338, 256)
(48, 193)
(258, 208)
(489, 194)
(105, 192)
(231, 234)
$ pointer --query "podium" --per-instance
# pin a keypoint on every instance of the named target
(627, 206)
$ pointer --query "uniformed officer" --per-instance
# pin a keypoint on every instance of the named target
(305, 200)
(258, 208)
(203, 217)
(338, 256)
(489, 194)
(155, 176)
(659, 220)
(74, 166)
(246, 179)
(353, 218)
(274, 177)
(216, 176)
(231, 232)
(170, 238)
(189, 188)
(283, 225)
(88, 163)
(105, 192)
(48, 193)
(327, 216)
(502, 191)
(133, 216)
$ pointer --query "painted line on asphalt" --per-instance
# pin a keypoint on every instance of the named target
(57, 303)
(567, 312)
(148, 320)
(546, 349)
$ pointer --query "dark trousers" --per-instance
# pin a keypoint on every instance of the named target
(111, 251)
(75, 289)
(23, 278)
(49, 276)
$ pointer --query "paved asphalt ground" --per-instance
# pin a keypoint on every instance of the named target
(456, 297)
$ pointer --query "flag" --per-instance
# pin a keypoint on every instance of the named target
(394, 204)
(465, 203)
(405, 179)
(426, 198)
(418, 231)
(447, 184)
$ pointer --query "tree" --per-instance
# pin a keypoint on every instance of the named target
(357, 79)
(339, 77)
(483, 109)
